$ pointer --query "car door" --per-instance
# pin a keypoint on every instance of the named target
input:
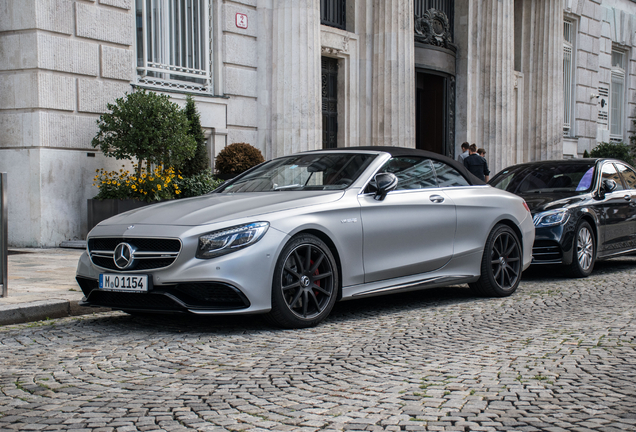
(629, 178)
(615, 210)
(412, 230)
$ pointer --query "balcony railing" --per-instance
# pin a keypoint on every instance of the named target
(333, 13)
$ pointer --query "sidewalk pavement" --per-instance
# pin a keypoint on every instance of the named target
(41, 284)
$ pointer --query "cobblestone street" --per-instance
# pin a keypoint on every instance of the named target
(560, 354)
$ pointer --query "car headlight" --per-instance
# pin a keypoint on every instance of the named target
(551, 218)
(217, 243)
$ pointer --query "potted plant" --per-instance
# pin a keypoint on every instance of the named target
(164, 145)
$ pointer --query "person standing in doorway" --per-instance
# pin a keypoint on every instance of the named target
(477, 164)
(464, 154)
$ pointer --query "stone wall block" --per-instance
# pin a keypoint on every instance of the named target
(241, 82)
(18, 51)
(56, 92)
(104, 24)
(240, 50)
(61, 130)
(117, 63)
(68, 55)
(243, 112)
(54, 15)
(93, 95)
(123, 4)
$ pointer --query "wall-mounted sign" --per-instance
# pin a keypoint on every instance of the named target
(603, 108)
(241, 20)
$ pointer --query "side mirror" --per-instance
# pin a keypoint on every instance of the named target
(608, 186)
(385, 182)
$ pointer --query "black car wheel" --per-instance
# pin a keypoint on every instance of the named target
(501, 265)
(584, 248)
(305, 285)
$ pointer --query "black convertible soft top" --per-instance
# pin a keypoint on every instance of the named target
(405, 151)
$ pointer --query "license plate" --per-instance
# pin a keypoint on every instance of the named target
(123, 283)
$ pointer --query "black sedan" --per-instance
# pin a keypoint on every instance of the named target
(583, 209)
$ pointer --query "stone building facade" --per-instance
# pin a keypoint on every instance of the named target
(526, 79)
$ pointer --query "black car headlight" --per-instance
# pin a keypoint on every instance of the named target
(551, 218)
(225, 241)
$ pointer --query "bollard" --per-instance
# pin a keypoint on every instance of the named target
(4, 236)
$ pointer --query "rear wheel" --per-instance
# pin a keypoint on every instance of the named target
(305, 285)
(584, 248)
(501, 265)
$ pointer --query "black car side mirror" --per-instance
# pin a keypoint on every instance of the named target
(385, 182)
(609, 185)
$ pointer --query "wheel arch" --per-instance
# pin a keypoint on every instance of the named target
(334, 250)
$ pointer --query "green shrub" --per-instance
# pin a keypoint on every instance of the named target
(199, 162)
(619, 151)
(197, 184)
(147, 127)
(237, 158)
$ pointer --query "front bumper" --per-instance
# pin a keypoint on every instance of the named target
(553, 245)
(236, 283)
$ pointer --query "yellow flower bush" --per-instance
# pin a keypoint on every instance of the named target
(152, 186)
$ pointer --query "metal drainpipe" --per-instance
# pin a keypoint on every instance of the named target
(4, 233)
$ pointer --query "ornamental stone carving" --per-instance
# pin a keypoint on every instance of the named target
(433, 28)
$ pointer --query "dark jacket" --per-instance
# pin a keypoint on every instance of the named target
(477, 165)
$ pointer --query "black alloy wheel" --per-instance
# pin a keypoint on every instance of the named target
(501, 264)
(584, 249)
(305, 285)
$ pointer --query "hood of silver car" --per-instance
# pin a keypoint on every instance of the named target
(218, 207)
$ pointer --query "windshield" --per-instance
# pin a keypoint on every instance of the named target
(327, 171)
(546, 178)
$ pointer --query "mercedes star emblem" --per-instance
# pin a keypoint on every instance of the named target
(124, 256)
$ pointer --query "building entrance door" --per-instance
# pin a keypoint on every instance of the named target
(431, 113)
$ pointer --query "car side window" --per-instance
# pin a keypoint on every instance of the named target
(447, 176)
(628, 174)
(609, 173)
(412, 172)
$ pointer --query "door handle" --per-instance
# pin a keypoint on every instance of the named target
(437, 198)
(627, 197)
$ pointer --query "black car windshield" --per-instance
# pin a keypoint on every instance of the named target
(546, 178)
(326, 171)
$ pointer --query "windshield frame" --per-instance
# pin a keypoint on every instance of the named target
(527, 169)
(271, 165)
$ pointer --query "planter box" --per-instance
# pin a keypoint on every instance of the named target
(99, 210)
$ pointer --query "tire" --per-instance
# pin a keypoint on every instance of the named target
(305, 284)
(501, 264)
(584, 251)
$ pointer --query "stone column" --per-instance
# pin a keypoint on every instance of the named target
(393, 103)
(296, 123)
(542, 66)
(491, 77)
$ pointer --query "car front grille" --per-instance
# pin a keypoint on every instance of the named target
(149, 253)
(547, 252)
(197, 295)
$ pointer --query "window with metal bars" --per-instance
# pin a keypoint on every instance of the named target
(333, 13)
(568, 75)
(173, 48)
(617, 96)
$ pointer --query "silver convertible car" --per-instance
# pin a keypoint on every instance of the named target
(292, 236)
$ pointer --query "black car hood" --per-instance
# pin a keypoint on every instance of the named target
(539, 202)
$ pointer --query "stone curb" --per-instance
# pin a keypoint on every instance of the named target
(41, 310)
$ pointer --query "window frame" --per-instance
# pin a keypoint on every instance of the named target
(617, 108)
(569, 76)
(182, 58)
